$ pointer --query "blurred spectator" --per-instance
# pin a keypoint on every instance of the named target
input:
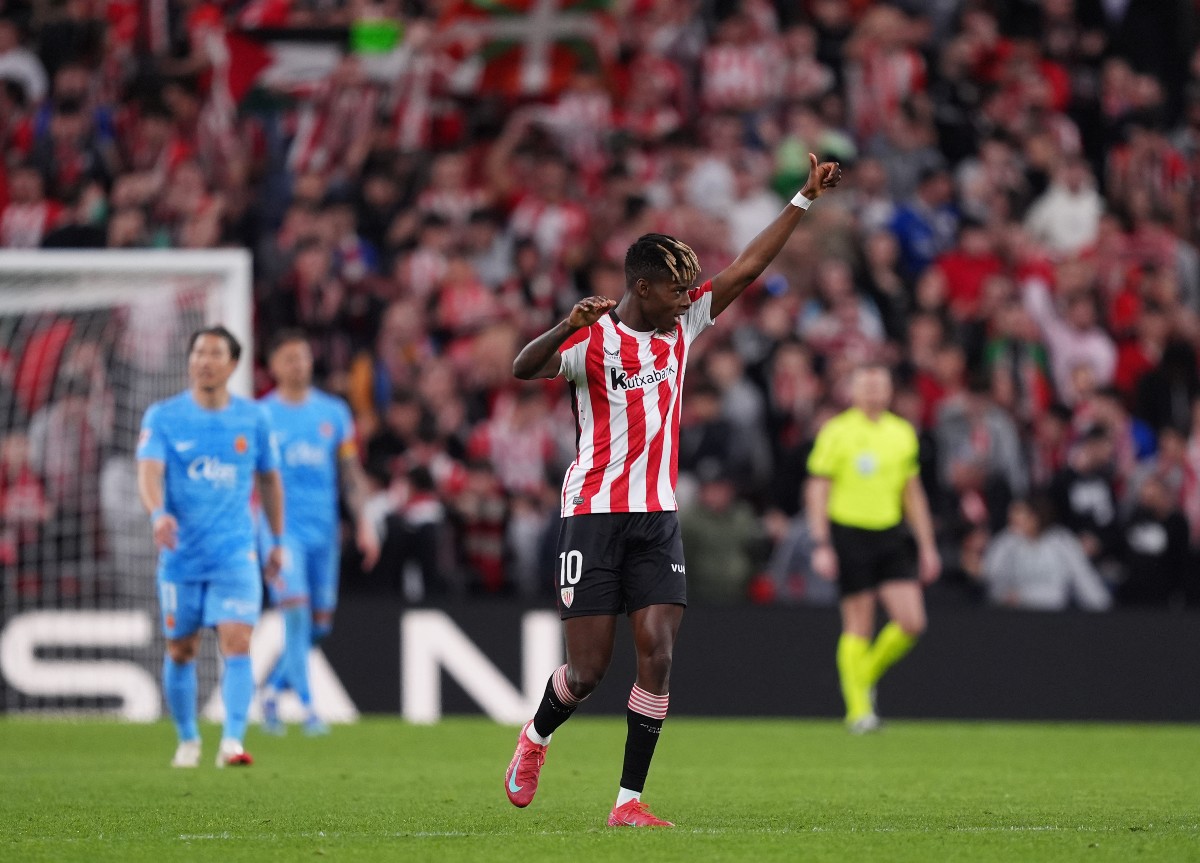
(1084, 497)
(979, 456)
(1016, 363)
(724, 540)
(1164, 395)
(29, 216)
(926, 225)
(1032, 564)
(1075, 338)
(480, 509)
(25, 510)
(19, 64)
(1066, 218)
(1154, 547)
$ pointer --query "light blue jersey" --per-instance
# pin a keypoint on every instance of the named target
(312, 435)
(210, 459)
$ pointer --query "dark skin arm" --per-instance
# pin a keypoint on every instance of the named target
(728, 284)
(539, 358)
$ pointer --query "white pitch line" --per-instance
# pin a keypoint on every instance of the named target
(780, 831)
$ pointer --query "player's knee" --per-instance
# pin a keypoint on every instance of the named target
(655, 667)
(181, 652)
(913, 623)
(582, 681)
(235, 643)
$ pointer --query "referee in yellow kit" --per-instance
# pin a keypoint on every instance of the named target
(863, 483)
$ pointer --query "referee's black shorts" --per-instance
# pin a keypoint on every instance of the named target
(618, 562)
(868, 558)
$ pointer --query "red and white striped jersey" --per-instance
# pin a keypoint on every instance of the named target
(627, 386)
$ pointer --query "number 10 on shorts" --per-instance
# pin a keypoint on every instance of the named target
(570, 567)
(570, 570)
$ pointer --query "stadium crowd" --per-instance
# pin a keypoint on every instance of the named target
(1016, 236)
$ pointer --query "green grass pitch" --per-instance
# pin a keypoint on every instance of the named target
(744, 789)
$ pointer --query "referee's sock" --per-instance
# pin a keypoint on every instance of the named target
(556, 707)
(645, 720)
(851, 664)
(891, 645)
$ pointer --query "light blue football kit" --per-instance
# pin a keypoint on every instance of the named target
(210, 459)
(313, 436)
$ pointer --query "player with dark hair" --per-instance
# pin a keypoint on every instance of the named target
(864, 482)
(619, 546)
(200, 454)
(318, 453)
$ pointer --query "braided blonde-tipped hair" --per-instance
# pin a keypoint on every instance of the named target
(657, 256)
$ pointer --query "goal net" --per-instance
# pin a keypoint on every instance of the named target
(88, 340)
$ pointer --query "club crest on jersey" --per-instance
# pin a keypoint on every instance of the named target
(240, 444)
(326, 429)
(568, 596)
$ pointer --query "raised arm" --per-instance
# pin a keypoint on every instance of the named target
(539, 358)
(728, 284)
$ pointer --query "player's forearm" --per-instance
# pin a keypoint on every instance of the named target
(150, 486)
(816, 509)
(536, 357)
(354, 487)
(916, 511)
(270, 492)
(755, 258)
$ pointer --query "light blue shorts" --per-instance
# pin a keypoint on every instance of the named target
(309, 573)
(187, 606)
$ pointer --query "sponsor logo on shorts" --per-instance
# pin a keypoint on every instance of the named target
(240, 607)
(568, 596)
(678, 567)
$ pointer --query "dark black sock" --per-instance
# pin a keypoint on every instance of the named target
(639, 749)
(553, 711)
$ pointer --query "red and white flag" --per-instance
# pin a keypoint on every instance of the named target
(526, 47)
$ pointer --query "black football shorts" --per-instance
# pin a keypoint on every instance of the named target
(618, 562)
(868, 558)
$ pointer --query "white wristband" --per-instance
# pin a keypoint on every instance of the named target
(799, 200)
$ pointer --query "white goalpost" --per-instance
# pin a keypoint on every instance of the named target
(88, 340)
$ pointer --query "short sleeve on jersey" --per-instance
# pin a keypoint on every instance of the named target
(347, 442)
(699, 317)
(822, 461)
(268, 444)
(573, 353)
(151, 445)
